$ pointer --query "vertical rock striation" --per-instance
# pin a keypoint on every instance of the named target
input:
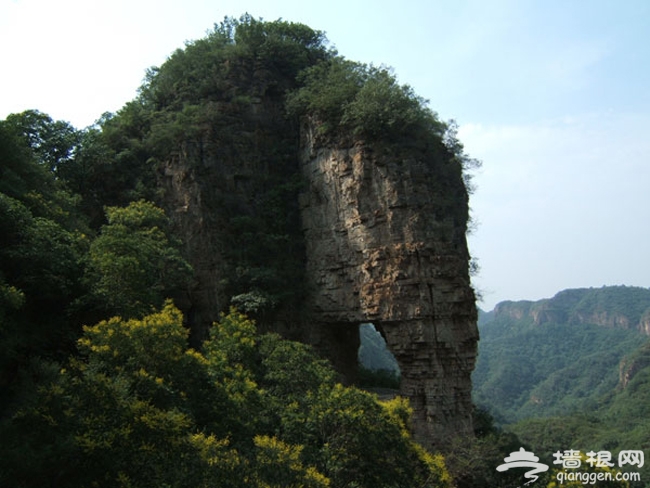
(385, 243)
(383, 233)
(224, 190)
(314, 234)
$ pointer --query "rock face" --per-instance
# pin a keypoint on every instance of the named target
(385, 243)
(382, 241)
(217, 189)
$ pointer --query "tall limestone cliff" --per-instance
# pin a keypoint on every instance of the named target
(317, 231)
(385, 241)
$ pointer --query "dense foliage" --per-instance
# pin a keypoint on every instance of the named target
(569, 384)
(137, 407)
(56, 270)
(550, 358)
(132, 264)
(126, 402)
(84, 239)
(548, 370)
(239, 96)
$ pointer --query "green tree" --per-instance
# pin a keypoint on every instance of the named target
(133, 265)
(341, 431)
(19, 172)
(366, 101)
(53, 142)
(41, 244)
(291, 371)
(353, 431)
(326, 90)
(383, 107)
(138, 408)
(231, 353)
(40, 277)
(279, 465)
(123, 414)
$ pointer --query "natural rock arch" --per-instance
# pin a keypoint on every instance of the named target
(382, 241)
(385, 243)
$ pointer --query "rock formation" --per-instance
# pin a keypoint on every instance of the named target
(315, 232)
(385, 243)
(216, 189)
(631, 365)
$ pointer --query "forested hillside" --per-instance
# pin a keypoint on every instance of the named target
(573, 370)
(101, 382)
(558, 356)
(126, 402)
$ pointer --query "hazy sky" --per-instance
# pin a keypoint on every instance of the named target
(553, 96)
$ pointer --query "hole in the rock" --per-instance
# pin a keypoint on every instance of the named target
(378, 368)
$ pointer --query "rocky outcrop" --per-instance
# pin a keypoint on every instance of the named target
(216, 188)
(382, 240)
(644, 323)
(631, 365)
(512, 310)
(385, 243)
(184, 199)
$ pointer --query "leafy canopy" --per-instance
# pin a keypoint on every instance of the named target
(364, 101)
(138, 408)
(134, 263)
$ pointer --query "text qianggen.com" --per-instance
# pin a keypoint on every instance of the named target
(594, 477)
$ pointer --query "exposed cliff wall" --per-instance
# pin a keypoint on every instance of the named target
(232, 196)
(385, 243)
(310, 235)
(633, 364)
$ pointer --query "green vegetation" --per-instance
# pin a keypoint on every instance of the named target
(56, 270)
(351, 98)
(85, 239)
(133, 265)
(132, 404)
(551, 369)
(137, 407)
(557, 380)
(549, 357)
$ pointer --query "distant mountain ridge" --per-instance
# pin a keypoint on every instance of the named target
(561, 355)
(569, 371)
(624, 307)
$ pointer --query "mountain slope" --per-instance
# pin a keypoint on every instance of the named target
(620, 420)
(560, 355)
(570, 372)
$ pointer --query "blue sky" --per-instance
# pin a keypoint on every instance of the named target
(553, 96)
